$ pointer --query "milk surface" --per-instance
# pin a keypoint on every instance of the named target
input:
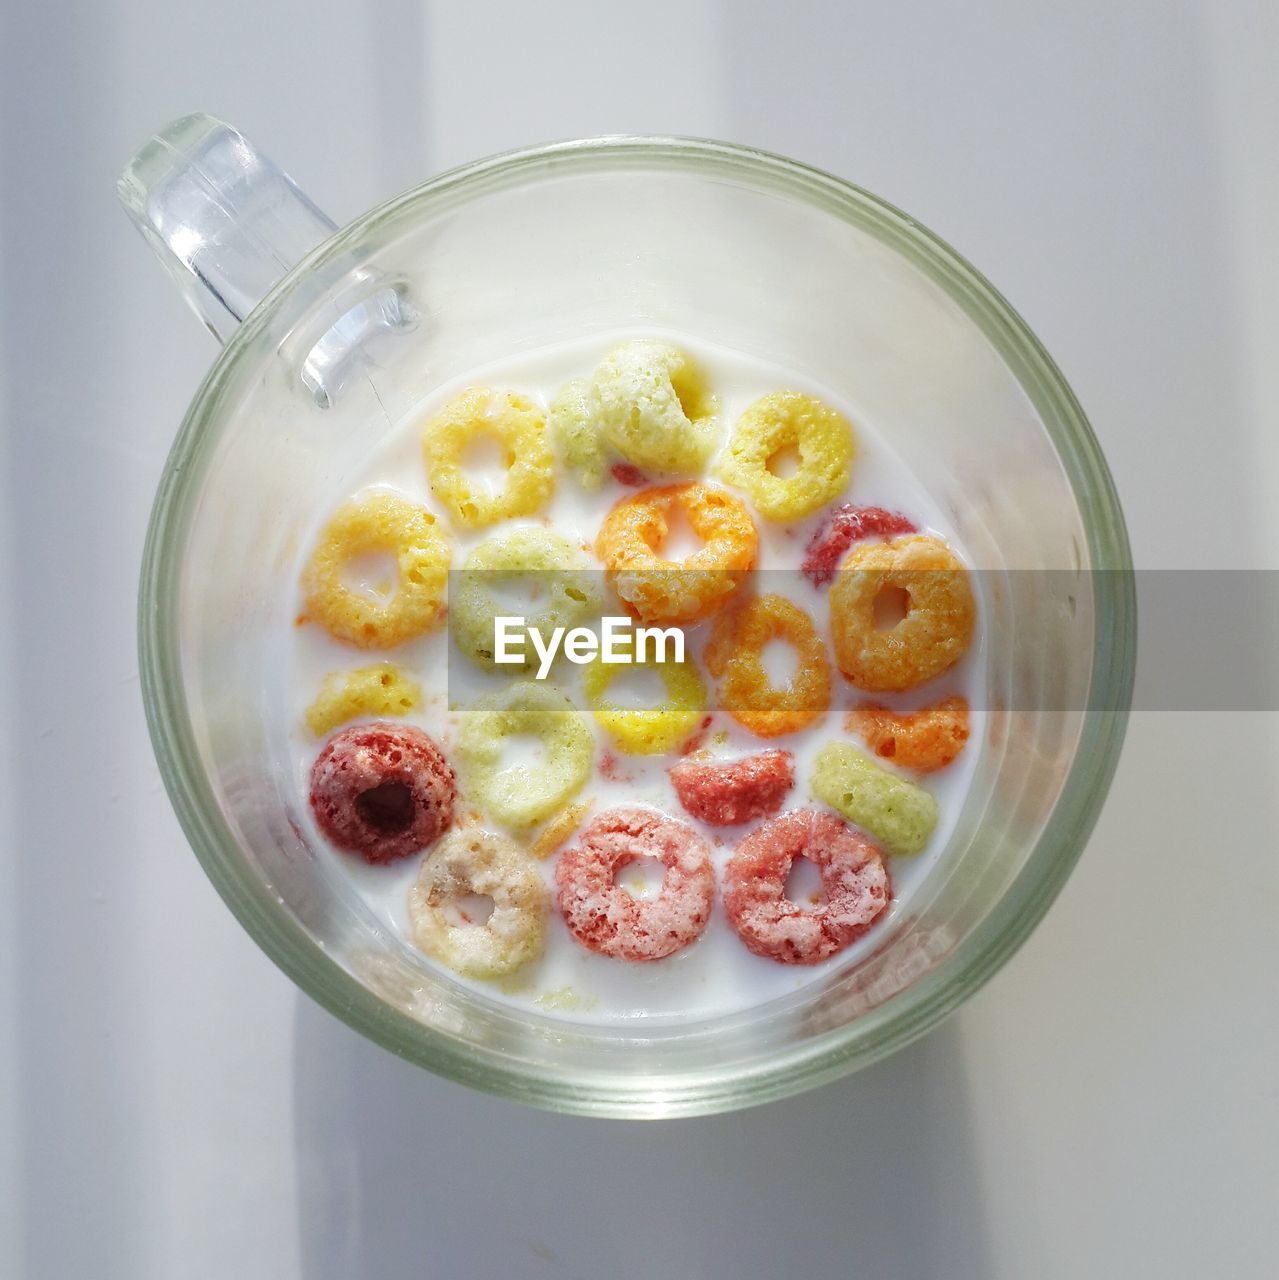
(716, 975)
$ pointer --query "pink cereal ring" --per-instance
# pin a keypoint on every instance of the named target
(724, 793)
(854, 877)
(382, 791)
(603, 917)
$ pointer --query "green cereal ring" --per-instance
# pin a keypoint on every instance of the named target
(647, 731)
(785, 420)
(472, 862)
(378, 522)
(899, 814)
(519, 427)
(575, 434)
(522, 795)
(557, 573)
(651, 403)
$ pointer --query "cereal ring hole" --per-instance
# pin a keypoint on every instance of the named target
(785, 461)
(891, 606)
(468, 910)
(386, 808)
(804, 884)
(638, 688)
(485, 461)
(371, 573)
(520, 751)
(680, 540)
(780, 660)
(642, 878)
(692, 392)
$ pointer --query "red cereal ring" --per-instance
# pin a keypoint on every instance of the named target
(603, 917)
(854, 877)
(723, 794)
(382, 791)
(842, 527)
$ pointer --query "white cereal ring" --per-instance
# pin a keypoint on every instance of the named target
(466, 862)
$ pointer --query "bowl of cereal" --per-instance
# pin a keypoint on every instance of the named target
(635, 625)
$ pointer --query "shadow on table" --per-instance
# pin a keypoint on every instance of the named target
(402, 1172)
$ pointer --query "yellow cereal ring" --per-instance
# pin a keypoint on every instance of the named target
(650, 401)
(562, 587)
(660, 590)
(519, 427)
(521, 795)
(467, 862)
(381, 690)
(734, 657)
(786, 420)
(378, 522)
(940, 613)
(924, 740)
(899, 814)
(647, 731)
(575, 433)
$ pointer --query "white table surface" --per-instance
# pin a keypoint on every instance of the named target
(171, 1106)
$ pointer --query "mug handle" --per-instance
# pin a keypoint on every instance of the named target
(228, 223)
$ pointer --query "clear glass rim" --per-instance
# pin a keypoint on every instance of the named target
(890, 1025)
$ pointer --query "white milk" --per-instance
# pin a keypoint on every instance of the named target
(716, 975)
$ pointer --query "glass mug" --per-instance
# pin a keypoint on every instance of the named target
(331, 337)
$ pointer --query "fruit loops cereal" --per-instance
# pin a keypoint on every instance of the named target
(938, 623)
(855, 883)
(575, 434)
(651, 403)
(519, 427)
(669, 483)
(470, 863)
(381, 690)
(382, 791)
(662, 590)
(554, 573)
(378, 522)
(925, 740)
(843, 526)
(774, 424)
(518, 796)
(724, 794)
(558, 829)
(604, 917)
(734, 656)
(647, 731)
(898, 813)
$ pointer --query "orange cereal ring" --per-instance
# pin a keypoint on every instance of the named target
(519, 427)
(924, 740)
(734, 656)
(378, 522)
(779, 422)
(660, 590)
(938, 624)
